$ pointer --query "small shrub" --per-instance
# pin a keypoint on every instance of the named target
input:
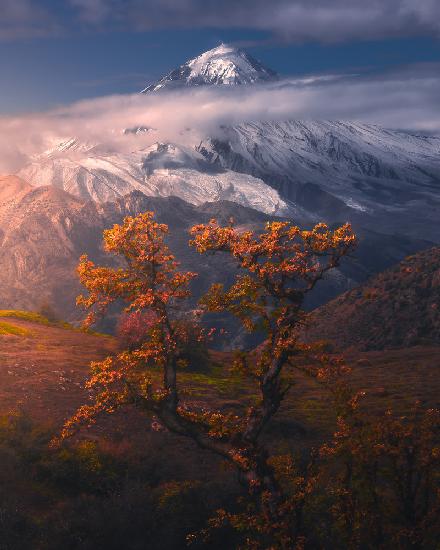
(47, 311)
(134, 329)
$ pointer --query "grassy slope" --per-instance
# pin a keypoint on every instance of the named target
(43, 368)
(43, 364)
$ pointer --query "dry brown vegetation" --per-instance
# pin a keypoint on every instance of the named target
(43, 371)
(397, 308)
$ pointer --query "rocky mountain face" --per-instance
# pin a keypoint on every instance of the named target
(224, 65)
(44, 231)
(397, 308)
(383, 179)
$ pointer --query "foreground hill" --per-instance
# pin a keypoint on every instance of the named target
(43, 367)
(127, 483)
(397, 308)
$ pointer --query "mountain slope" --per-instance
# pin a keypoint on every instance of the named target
(223, 65)
(44, 231)
(388, 180)
(397, 308)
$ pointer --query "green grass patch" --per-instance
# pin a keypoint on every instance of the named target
(223, 383)
(10, 329)
(33, 317)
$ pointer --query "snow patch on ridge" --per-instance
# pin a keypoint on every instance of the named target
(161, 170)
(224, 65)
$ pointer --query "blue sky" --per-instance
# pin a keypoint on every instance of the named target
(56, 52)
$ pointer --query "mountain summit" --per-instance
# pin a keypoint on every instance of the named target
(223, 65)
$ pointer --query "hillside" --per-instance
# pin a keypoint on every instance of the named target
(126, 474)
(43, 366)
(398, 308)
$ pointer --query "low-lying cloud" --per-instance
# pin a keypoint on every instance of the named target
(407, 99)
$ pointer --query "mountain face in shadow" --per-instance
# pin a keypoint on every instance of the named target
(44, 231)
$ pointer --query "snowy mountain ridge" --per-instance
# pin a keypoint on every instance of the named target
(224, 65)
(341, 170)
(328, 153)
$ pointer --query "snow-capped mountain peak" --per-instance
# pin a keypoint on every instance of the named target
(223, 65)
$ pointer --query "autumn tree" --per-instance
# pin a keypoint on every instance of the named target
(380, 477)
(148, 281)
(278, 267)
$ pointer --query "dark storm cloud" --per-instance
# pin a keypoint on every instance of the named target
(292, 20)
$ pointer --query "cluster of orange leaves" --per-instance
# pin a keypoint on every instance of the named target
(281, 264)
(148, 280)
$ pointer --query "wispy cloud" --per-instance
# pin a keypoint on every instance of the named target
(292, 20)
(406, 99)
(289, 20)
(26, 19)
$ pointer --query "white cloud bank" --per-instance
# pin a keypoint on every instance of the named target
(407, 99)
